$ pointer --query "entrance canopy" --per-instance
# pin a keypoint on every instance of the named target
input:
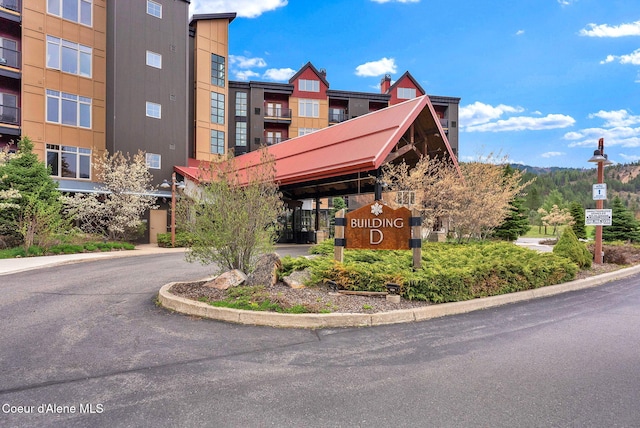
(343, 159)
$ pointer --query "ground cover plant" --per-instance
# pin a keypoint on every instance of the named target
(450, 272)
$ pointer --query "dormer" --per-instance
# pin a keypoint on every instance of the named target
(309, 82)
(405, 88)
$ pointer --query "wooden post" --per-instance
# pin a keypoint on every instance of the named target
(416, 235)
(338, 249)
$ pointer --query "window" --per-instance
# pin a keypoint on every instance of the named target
(274, 110)
(406, 93)
(406, 197)
(217, 142)
(274, 137)
(154, 110)
(79, 11)
(305, 131)
(309, 108)
(69, 57)
(241, 134)
(217, 108)
(217, 70)
(241, 104)
(309, 85)
(9, 52)
(69, 161)
(154, 9)
(154, 59)
(68, 109)
(9, 108)
(153, 160)
(337, 114)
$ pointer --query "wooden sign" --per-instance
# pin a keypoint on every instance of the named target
(378, 227)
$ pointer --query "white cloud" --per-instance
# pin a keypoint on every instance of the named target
(478, 113)
(524, 123)
(632, 58)
(629, 158)
(243, 8)
(605, 30)
(246, 74)
(244, 62)
(566, 2)
(279, 74)
(552, 154)
(519, 32)
(377, 68)
(616, 118)
(398, 1)
(623, 136)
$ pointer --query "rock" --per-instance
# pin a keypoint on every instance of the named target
(228, 279)
(266, 271)
(297, 278)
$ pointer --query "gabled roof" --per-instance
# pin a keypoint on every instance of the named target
(354, 147)
(408, 76)
(315, 70)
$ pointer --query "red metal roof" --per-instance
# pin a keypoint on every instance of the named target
(357, 145)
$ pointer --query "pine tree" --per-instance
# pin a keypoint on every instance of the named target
(516, 223)
(624, 226)
(577, 212)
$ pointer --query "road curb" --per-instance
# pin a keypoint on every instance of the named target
(312, 321)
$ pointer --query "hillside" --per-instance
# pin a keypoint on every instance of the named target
(575, 184)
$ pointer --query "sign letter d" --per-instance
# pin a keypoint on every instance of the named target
(373, 239)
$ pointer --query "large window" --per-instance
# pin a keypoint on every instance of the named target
(154, 9)
(154, 110)
(273, 137)
(9, 108)
(9, 52)
(217, 142)
(217, 70)
(241, 134)
(69, 161)
(241, 104)
(153, 160)
(69, 57)
(305, 131)
(79, 11)
(154, 59)
(309, 85)
(68, 109)
(217, 108)
(406, 93)
(309, 108)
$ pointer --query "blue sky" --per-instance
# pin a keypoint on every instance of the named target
(539, 80)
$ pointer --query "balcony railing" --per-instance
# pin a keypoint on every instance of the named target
(9, 57)
(11, 5)
(444, 123)
(277, 113)
(338, 117)
(9, 115)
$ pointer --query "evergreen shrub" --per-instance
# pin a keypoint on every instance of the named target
(568, 246)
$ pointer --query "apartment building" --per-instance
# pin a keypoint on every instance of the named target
(266, 113)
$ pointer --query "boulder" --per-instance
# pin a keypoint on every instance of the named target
(266, 271)
(228, 279)
(297, 278)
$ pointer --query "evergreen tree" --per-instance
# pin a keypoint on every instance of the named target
(624, 226)
(577, 212)
(516, 223)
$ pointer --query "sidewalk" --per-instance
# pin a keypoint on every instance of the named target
(8, 266)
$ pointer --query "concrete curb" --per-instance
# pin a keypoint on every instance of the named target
(273, 319)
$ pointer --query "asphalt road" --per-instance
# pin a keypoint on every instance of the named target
(88, 338)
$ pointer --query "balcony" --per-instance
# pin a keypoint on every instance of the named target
(444, 123)
(274, 140)
(9, 115)
(338, 117)
(277, 115)
(9, 57)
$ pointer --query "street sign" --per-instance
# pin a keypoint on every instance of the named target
(597, 217)
(600, 191)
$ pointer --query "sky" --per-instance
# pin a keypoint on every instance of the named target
(540, 81)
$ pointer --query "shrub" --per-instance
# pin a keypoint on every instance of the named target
(183, 239)
(568, 246)
(450, 272)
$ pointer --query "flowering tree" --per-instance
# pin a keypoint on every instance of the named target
(555, 217)
(123, 196)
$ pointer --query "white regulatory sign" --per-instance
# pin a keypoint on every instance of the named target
(597, 217)
(600, 191)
